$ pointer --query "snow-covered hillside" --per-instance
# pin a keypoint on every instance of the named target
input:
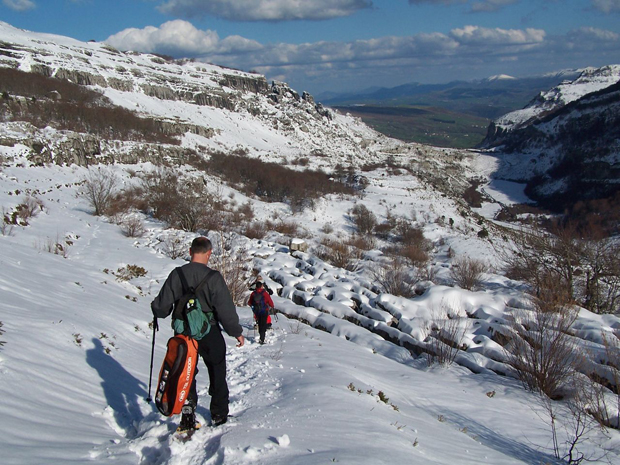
(225, 109)
(565, 143)
(591, 80)
(75, 360)
(345, 375)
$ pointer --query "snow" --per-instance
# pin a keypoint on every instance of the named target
(590, 80)
(338, 380)
(75, 363)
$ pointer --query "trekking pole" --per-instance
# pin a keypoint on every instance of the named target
(155, 328)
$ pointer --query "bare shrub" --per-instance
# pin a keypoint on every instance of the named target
(174, 247)
(362, 243)
(274, 182)
(445, 338)
(364, 220)
(6, 227)
(415, 254)
(289, 228)
(182, 203)
(575, 429)
(467, 272)
(231, 262)
(99, 188)
(129, 272)
(542, 351)
(395, 278)
(56, 246)
(339, 253)
(254, 230)
(587, 264)
(132, 226)
(29, 208)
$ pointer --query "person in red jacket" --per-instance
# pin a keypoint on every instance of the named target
(261, 304)
(259, 279)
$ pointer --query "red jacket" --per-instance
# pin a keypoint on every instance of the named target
(255, 296)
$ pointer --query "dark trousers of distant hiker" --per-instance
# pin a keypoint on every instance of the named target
(212, 349)
(262, 325)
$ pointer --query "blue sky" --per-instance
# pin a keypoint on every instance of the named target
(341, 45)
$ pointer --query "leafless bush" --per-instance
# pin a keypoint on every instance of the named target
(182, 203)
(6, 227)
(56, 246)
(575, 429)
(587, 265)
(364, 220)
(395, 278)
(254, 230)
(231, 262)
(467, 272)
(99, 188)
(174, 247)
(445, 338)
(542, 351)
(132, 226)
(339, 253)
(29, 208)
(289, 228)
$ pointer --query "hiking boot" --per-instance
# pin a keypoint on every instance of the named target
(219, 419)
(188, 419)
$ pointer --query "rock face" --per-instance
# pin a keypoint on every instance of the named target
(126, 78)
(566, 143)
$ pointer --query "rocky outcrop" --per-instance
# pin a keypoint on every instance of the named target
(215, 100)
(161, 92)
(81, 77)
(256, 85)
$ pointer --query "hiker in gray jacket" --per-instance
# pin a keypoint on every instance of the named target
(213, 296)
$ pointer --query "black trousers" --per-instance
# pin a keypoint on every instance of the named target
(212, 349)
(261, 319)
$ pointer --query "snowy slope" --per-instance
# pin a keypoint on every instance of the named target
(590, 80)
(75, 364)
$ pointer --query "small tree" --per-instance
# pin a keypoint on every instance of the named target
(99, 188)
(363, 218)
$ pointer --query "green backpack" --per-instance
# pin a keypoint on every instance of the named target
(188, 317)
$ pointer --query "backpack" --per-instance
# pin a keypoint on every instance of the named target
(259, 306)
(176, 374)
(188, 317)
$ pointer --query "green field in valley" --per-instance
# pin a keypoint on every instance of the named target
(423, 124)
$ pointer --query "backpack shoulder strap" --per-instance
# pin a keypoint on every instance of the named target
(186, 286)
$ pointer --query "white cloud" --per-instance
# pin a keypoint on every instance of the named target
(19, 5)
(179, 38)
(607, 6)
(463, 53)
(265, 10)
(497, 37)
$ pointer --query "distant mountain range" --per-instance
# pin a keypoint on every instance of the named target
(487, 98)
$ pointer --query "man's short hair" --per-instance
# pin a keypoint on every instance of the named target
(201, 245)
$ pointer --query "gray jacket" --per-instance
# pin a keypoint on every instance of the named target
(214, 295)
